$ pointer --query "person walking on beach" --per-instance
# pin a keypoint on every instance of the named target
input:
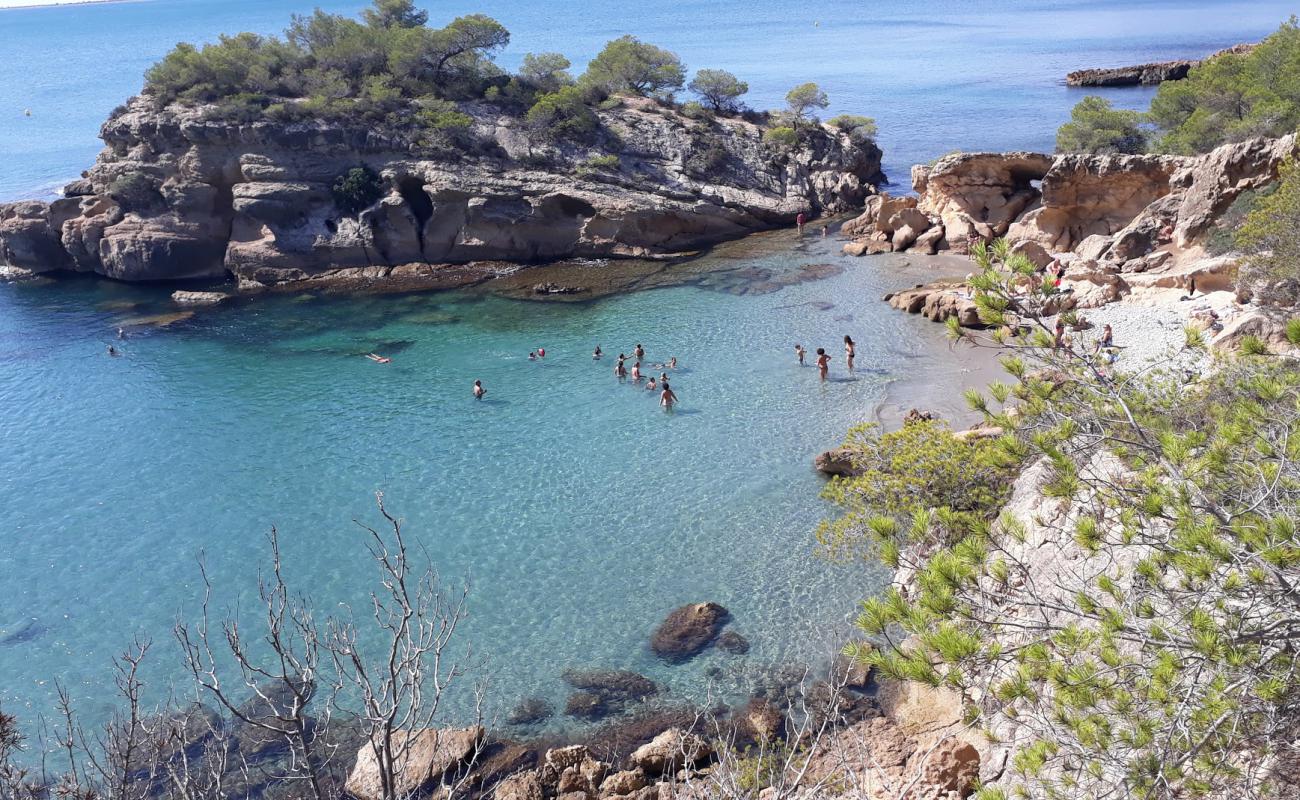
(800, 353)
(823, 363)
(479, 391)
(800, 221)
(850, 350)
(667, 397)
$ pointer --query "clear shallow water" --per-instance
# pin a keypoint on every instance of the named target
(937, 75)
(580, 511)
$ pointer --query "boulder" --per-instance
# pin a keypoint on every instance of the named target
(688, 630)
(1137, 75)
(734, 643)
(1216, 179)
(625, 782)
(530, 711)
(192, 299)
(520, 786)
(669, 751)
(836, 462)
(1035, 252)
(950, 769)
(866, 247)
(430, 755)
(930, 242)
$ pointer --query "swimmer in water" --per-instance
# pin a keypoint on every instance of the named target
(378, 359)
(823, 362)
(121, 334)
(620, 371)
(112, 351)
(532, 355)
(479, 391)
(672, 363)
(596, 354)
(800, 353)
(639, 352)
(636, 372)
(667, 397)
(541, 352)
(650, 387)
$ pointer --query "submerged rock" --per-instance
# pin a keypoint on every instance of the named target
(734, 643)
(688, 630)
(530, 711)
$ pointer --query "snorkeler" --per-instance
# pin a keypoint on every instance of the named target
(378, 359)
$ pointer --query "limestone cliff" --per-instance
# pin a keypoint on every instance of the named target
(254, 199)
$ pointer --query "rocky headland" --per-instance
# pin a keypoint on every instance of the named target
(1145, 74)
(178, 194)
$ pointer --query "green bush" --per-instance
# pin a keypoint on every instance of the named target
(1096, 127)
(1222, 236)
(860, 129)
(357, 189)
(563, 116)
(782, 137)
(708, 154)
(696, 111)
(594, 164)
(803, 99)
(1270, 236)
(547, 72)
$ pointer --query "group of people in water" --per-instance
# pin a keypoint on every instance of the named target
(824, 359)
(667, 397)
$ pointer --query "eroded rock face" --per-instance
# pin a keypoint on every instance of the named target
(255, 199)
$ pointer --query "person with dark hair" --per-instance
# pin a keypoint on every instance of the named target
(620, 371)
(823, 362)
(479, 391)
(850, 350)
(1058, 339)
(638, 352)
(667, 397)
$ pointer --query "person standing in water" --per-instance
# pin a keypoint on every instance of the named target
(826, 231)
(850, 350)
(667, 397)
(595, 356)
(479, 391)
(823, 362)
(800, 353)
(650, 387)
(636, 372)
(639, 352)
(800, 221)
(620, 371)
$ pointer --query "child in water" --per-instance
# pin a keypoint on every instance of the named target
(800, 353)
(823, 362)
(650, 387)
(596, 354)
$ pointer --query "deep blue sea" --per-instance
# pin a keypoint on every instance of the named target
(580, 512)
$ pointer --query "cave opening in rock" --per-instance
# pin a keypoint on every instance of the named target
(412, 191)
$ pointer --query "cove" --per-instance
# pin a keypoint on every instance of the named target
(578, 510)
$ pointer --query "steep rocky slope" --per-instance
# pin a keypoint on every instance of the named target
(254, 199)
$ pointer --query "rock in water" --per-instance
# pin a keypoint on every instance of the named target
(734, 643)
(432, 754)
(836, 462)
(688, 630)
(190, 299)
(530, 711)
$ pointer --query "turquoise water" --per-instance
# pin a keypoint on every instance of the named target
(937, 75)
(580, 511)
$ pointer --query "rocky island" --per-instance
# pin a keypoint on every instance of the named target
(404, 167)
(1145, 74)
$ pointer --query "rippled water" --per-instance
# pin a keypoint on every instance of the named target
(580, 511)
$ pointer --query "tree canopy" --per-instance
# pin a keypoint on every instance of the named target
(718, 89)
(803, 99)
(1097, 127)
(628, 64)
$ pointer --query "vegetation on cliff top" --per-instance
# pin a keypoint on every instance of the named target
(1228, 98)
(391, 67)
(1134, 628)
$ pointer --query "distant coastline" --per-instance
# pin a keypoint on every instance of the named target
(4, 4)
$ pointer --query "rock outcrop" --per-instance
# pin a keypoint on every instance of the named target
(424, 757)
(177, 194)
(1145, 74)
(1119, 209)
(688, 630)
